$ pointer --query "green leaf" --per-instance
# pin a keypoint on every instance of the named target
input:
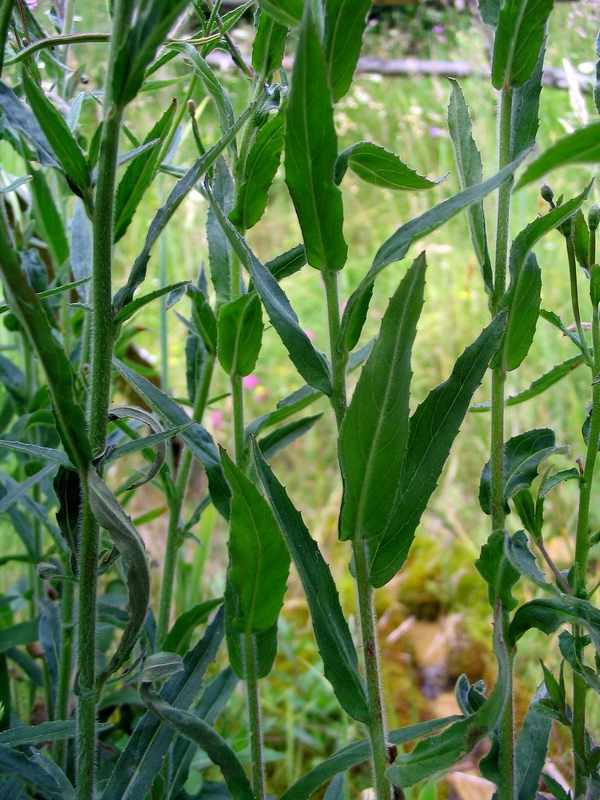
(523, 301)
(580, 147)
(581, 240)
(110, 515)
(440, 752)
(268, 47)
(309, 362)
(5, 695)
(140, 173)
(331, 629)
(526, 108)
(22, 119)
(259, 171)
(397, 246)
(62, 141)
(143, 757)
(198, 731)
(240, 329)
(550, 481)
(22, 633)
(376, 165)
(36, 770)
(547, 614)
(161, 665)
(178, 638)
(345, 22)
(522, 456)
(45, 731)
(311, 152)
(260, 560)
(130, 309)
(520, 35)
(19, 491)
(204, 318)
(374, 434)
(282, 437)
(287, 263)
(540, 384)
(433, 427)
(489, 11)
(196, 437)
(531, 749)
(6, 7)
(219, 248)
(165, 213)
(354, 754)
(498, 571)
(470, 172)
(286, 12)
(521, 557)
(265, 642)
(51, 225)
(47, 453)
(211, 84)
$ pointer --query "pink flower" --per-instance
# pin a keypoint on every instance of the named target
(216, 419)
(310, 334)
(250, 382)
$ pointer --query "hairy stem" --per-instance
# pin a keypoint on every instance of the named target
(66, 663)
(253, 700)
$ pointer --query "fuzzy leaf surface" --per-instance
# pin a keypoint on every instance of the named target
(433, 428)
(268, 47)
(259, 558)
(374, 434)
(520, 35)
(36, 770)
(331, 629)
(531, 749)
(376, 165)
(311, 152)
(470, 171)
(526, 109)
(548, 613)
(23, 120)
(580, 147)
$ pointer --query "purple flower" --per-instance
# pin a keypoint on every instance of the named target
(250, 382)
(435, 131)
(438, 29)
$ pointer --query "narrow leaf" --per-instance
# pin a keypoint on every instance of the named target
(196, 437)
(282, 437)
(130, 309)
(61, 139)
(199, 732)
(470, 172)
(110, 515)
(269, 45)
(345, 22)
(309, 362)
(433, 428)
(286, 12)
(397, 246)
(548, 613)
(498, 571)
(22, 119)
(376, 165)
(526, 108)
(6, 7)
(45, 731)
(519, 38)
(20, 634)
(47, 453)
(331, 629)
(178, 638)
(523, 301)
(47, 217)
(260, 168)
(521, 557)
(219, 248)
(211, 84)
(311, 152)
(580, 147)
(38, 771)
(374, 433)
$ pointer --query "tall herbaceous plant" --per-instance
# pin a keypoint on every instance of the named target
(85, 595)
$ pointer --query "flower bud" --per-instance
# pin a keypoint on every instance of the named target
(594, 217)
(547, 194)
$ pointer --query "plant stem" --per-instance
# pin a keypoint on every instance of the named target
(582, 550)
(66, 663)
(589, 359)
(253, 699)
(365, 592)
(506, 785)
(181, 482)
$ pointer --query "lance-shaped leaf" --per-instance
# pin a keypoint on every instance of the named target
(519, 38)
(531, 749)
(522, 456)
(130, 309)
(164, 214)
(282, 437)
(6, 7)
(19, 634)
(376, 165)
(178, 638)
(311, 152)
(374, 433)
(211, 84)
(287, 12)
(268, 47)
(260, 168)
(525, 110)
(433, 428)
(523, 300)
(26, 306)
(489, 11)
(43, 732)
(309, 362)
(548, 613)
(521, 557)
(143, 757)
(331, 629)
(47, 217)
(440, 752)
(580, 147)
(470, 172)
(109, 515)
(128, 412)
(498, 571)
(345, 22)
(200, 732)
(260, 560)
(265, 642)
(219, 248)
(354, 754)
(195, 436)
(396, 247)
(22, 119)
(240, 328)
(61, 139)
(140, 173)
(36, 770)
